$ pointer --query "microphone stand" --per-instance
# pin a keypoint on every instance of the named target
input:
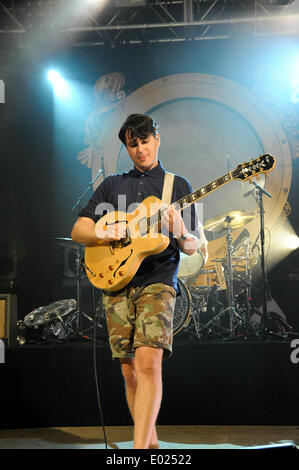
(265, 283)
(101, 170)
(80, 249)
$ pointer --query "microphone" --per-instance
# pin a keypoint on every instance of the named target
(103, 167)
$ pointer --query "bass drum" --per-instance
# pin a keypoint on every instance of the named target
(182, 308)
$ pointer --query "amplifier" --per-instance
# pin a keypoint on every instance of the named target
(8, 318)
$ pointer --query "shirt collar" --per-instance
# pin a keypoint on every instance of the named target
(155, 172)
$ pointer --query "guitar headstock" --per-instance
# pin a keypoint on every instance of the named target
(262, 164)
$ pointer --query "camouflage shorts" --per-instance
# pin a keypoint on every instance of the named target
(140, 316)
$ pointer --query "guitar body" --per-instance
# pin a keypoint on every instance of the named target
(110, 266)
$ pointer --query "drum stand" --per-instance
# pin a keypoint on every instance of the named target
(246, 280)
(196, 306)
(79, 312)
(234, 315)
(209, 327)
(196, 327)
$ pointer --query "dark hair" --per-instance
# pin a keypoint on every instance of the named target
(138, 125)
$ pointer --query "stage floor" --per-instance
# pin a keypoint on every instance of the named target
(170, 437)
(227, 385)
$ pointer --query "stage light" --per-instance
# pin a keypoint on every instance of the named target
(53, 76)
(280, 243)
(60, 86)
(285, 238)
(292, 242)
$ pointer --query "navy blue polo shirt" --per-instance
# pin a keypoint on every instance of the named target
(123, 192)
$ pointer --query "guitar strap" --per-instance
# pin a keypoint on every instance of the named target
(167, 187)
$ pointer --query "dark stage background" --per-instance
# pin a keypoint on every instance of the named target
(42, 178)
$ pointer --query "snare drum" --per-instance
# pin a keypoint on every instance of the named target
(207, 278)
(191, 265)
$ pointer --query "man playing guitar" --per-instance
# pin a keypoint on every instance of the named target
(139, 315)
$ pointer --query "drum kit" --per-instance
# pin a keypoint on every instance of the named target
(216, 296)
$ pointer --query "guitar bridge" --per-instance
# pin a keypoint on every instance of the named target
(122, 242)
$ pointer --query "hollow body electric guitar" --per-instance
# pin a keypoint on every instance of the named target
(110, 266)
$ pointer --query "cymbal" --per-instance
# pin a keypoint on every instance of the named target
(234, 219)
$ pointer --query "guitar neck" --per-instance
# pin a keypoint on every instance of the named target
(190, 199)
(194, 197)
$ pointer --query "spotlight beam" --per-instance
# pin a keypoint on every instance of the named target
(60, 86)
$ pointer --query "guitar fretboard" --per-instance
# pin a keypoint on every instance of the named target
(190, 199)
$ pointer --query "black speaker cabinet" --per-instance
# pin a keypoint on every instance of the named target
(8, 319)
